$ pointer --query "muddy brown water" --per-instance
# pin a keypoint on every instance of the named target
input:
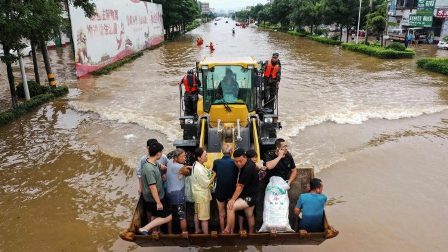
(67, 170)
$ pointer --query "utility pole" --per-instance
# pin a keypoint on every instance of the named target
(24, 80)
(389, 6)
(359, 20)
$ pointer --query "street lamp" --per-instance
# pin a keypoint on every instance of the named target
(359, 20)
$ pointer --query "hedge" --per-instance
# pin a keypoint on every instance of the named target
(10, 115)
(107, 69)
(396, 46)
(269, 26)
(298, 33)
(324, 40)
(34, 88)
(438, 65)
(320, 39)
(379, 52)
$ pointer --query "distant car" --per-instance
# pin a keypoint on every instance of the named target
(422, 39)
(24, 52)
(362, 33)
(442, 45)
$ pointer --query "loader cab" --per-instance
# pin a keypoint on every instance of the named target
(228, 85)
(229, 110)
(228, 82)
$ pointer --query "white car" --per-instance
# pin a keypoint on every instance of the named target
(442, 45)
(24, 52)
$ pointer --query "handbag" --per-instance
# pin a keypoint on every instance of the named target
(189, 188)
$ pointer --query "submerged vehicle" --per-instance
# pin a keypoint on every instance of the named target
(232, 114)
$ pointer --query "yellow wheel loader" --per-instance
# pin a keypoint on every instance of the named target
(229, 109)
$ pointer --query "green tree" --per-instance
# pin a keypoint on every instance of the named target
(12, 20)
(48, 14)
(264, 15)
(242, 15)
(88, 7)
(377, 20)
(31, 19)
(255, 12)
(309, 12)
(343, 13)
(177, 14)
(281, 13)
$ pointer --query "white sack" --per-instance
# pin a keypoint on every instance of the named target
(276, 206)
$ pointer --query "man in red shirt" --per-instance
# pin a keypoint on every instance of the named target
(191, 85)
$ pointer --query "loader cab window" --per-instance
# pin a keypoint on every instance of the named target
(228, 85)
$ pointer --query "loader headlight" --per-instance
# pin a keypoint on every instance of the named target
(188, 121)
(268, 119)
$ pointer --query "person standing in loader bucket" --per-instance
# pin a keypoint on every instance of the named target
(271, 77)
(191, 84)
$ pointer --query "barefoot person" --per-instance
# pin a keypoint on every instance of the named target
(311, 205)
(245, 195)
(226, 175)
(175, 190)
(152, 189)
(201, 181)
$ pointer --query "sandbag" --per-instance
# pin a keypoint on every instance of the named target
(276, 206)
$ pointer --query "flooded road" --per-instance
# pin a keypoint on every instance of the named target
(67, 179)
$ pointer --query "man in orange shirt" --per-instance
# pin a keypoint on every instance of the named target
(271, 78)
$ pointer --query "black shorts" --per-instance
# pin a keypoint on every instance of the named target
(222, 200)
(152, 208)
(178, 211)
(251, 201)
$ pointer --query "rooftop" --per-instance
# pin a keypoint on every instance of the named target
(219, 61)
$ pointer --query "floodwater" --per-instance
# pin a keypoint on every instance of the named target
(67, 170)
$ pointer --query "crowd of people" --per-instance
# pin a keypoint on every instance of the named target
(168, 185)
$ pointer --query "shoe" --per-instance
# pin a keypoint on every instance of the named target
(143, 231)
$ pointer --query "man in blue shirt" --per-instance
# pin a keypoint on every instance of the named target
(311, 205)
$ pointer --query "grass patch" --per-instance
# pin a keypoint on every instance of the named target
(379, 52)
(107, 69)
(52, 92)
(438, 65)
(324, 40)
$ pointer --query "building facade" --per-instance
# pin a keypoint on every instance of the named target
(429, 17)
